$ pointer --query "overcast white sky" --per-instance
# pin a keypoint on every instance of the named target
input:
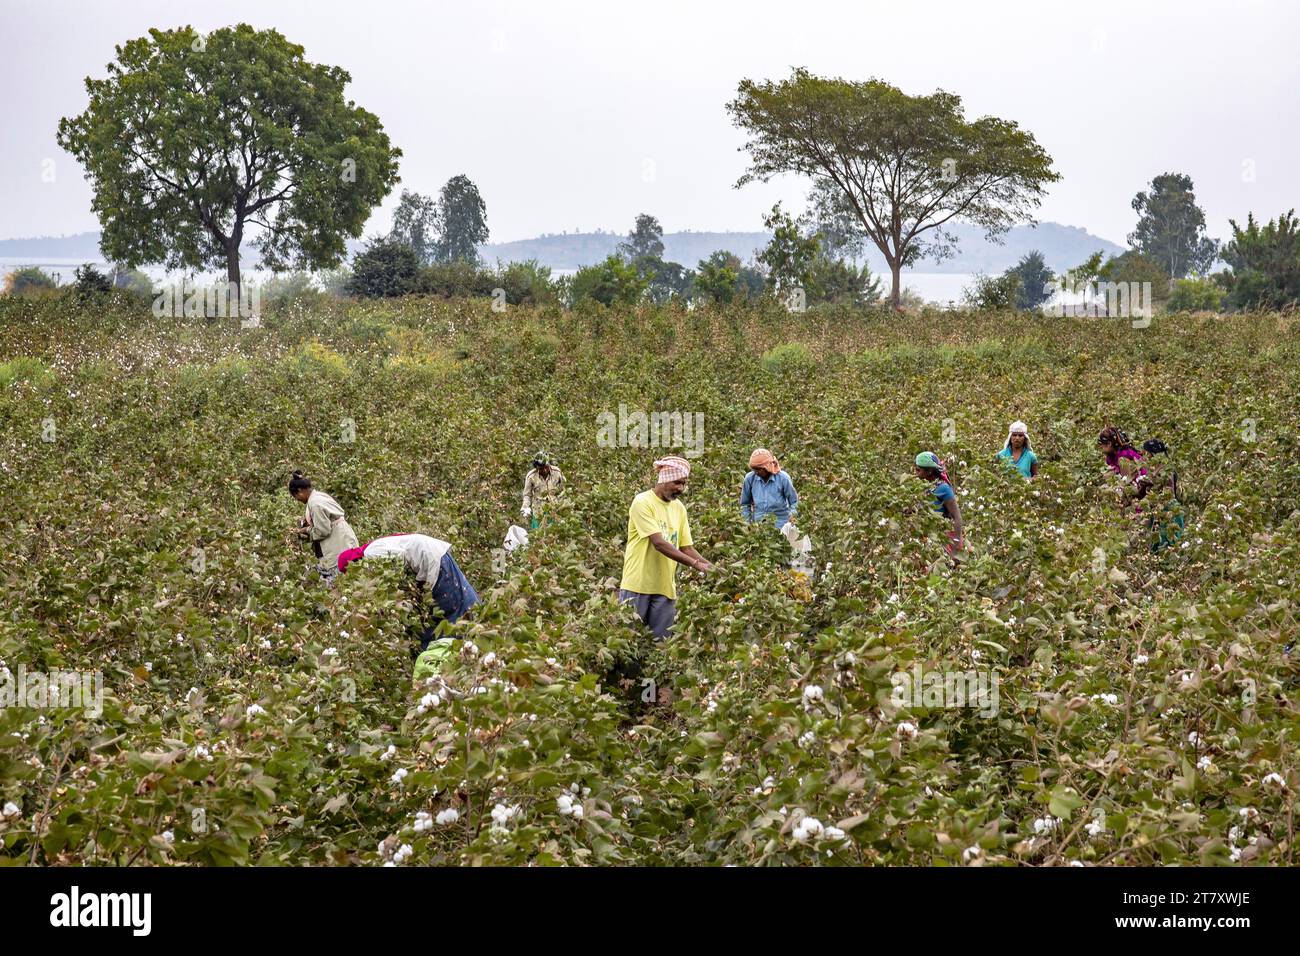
(581, 115)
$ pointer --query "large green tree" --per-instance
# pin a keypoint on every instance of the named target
(790, 255)
(195, 143)
(1265, 261)
(906, 165)
(1171, 227)
(462, 222)
(1035, 285)
(415, 224)
(645, 241)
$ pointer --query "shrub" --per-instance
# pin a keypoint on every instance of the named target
(25, 369)
(1195, 295)
(993, 292)
(29, 280)
(386, 268)
(90, 282)
(793, 357)
(612, 282)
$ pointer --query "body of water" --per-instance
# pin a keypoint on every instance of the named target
(938, 287)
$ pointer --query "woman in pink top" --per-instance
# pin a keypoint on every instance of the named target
(1125, 460)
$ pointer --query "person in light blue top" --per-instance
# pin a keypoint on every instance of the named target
(1017, 454)
(767, 491)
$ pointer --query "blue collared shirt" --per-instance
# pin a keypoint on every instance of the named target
(773, 496)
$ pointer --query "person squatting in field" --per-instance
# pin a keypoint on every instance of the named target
(430, 560)
(1017, 454)
(767, 491)
(658, 539)
(930, 468)
(324, 525)
(541, 485)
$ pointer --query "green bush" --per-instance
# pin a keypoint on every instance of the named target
(612, 282)
(386, 268)
(1195, 295)
(28, 280)
(792, 357)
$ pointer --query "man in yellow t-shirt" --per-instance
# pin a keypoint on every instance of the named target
(658, 539)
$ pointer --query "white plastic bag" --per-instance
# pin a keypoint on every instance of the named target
(516, 537)
(802, 547)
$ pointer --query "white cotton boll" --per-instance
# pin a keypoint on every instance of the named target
(448, 816)
(1140, 659)
(833, 834)
(265, 644)
(398, 775)
(1204, 763)
(812, 826)
(1274, 778)
(502, 814)
(148, 665)
(1234, 834)
(1248, 813)
(907, 729)
(428, 701)
(564, 803)
(812, 693)
(577, 811)
(423, 821)
(388, 754)
(10, 811)
(253, 710)
(489, 658)
(1094, 827)
(1194, 738)
(799, 834)
(1045, 824)
(330, 652)
(169, 837)
(971, 853)
(807, 740)
(1234, 854)
(403, 854)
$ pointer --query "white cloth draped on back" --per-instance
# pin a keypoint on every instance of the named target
(421, 553)
(328, 525)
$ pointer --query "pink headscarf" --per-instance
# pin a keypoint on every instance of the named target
(764, 459)
(673, 468)
(350, 555)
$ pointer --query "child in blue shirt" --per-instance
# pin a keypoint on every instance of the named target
(930, 468)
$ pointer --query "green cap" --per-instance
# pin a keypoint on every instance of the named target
(928, 459)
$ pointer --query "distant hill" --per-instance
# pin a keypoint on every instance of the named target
(1062, 246)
